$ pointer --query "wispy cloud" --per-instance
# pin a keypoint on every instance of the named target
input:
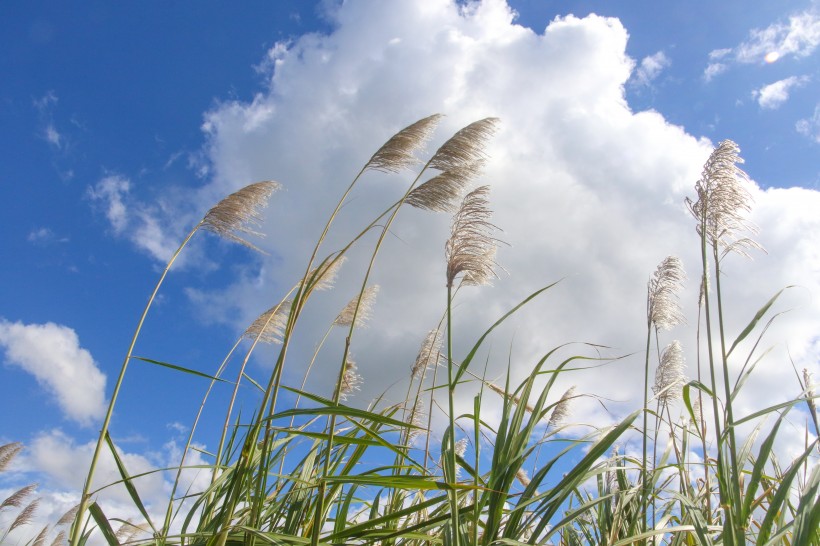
(650, 68)
(53, 355)
(45, 236)
(775, 94)
(810, 126)
(48, 129)
(798, 37)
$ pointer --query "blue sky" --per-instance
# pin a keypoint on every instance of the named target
(120, 124)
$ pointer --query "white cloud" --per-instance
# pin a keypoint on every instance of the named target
(583, 187)
(798, 37)
(44, 236)
(650, 68)
(52, 354)
(810, 126)
(772, 96)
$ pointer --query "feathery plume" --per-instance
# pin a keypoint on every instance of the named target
(8, 452)
(669, 378)
(25, 515)
(59, 540)
(441, 193)
(461, 447)
(40, 539)
(663, 308)
(351, 380)
(522, 477)
(428, 354)
(16, 499)
(69, 516)
(470, 248)
(269, 327)
(810, 394)
(365, 306)
(323, 276)
(561, 410)
(464, 147)
(723, 201)
(516, 399)
(127, 531)
(239, 211)
(399, 152)
(417, 420)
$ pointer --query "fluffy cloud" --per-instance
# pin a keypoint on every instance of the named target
(798, 37)
(585, 189)
(650, 68)
(52, 354)
(773, 95)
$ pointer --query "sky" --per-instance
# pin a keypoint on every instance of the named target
(121, 125)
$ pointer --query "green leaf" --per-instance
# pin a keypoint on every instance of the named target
(749, 327)
(103, 524)
(127, 481)
(181, 369)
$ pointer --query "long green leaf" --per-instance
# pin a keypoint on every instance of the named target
(759, 315)
(181, 369)
(127, 481)
(103, 524)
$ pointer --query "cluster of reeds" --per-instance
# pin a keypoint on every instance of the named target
(325, 471)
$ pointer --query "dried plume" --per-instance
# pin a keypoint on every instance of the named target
(810, 394)
(442, 192)
(471, 249)
(40, 539)
(69, 516)
(723, 201)
(398, 153)
(417, 420)
(669, 377)
(516, 399)
(323, 276)
(663, 307)
(465, 147)
(522, 477)
(25, 516)
(461, 447)
(238, 212)
(8, 452)
(269, 327)
(561, 410)
(428, 354)
(365, 307)
(59, 540)
(351, 380)
(127, 531)
(17, 498)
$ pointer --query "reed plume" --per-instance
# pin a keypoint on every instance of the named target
(239, 211)
(516, 399)
(17, 498)
(25, 516)
(428, 354)
(561, 410)
(351, 380)
(522, 477)
(40, 539)
(323, 276)
(471, 249)
(669, 377)
(59, 540)
(8, 452)
(723, 201)
(358, 307)
(663, 307)
(465, 147)
(442, 192)
(269, 327)
(398, 153)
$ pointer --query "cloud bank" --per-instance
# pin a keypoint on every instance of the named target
(52, 354)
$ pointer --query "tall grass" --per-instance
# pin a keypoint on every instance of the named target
(325, 471)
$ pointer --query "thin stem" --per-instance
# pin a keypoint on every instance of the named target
(76, 530)
(451, 459)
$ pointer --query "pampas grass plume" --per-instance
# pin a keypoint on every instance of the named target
(239, 211)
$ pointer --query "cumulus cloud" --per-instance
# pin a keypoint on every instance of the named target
(775, 94)
(650, 68)
(52, 354)
(798, 38)
(583, 187)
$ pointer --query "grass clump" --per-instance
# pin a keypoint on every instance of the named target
(327, 472)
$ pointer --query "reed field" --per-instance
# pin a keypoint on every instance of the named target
(331, 470)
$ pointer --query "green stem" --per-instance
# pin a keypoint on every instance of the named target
(76, 530)
(451, 458)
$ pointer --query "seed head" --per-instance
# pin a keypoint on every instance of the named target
(471, 249)
(441, 193)
(669, 377)
(663, 308)
(238, 212)
(561, 410)
(428, 354)
(723, 201)
(465, 147)
(398, 153)
(351, 380)
(358, 307)
(269, 327)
